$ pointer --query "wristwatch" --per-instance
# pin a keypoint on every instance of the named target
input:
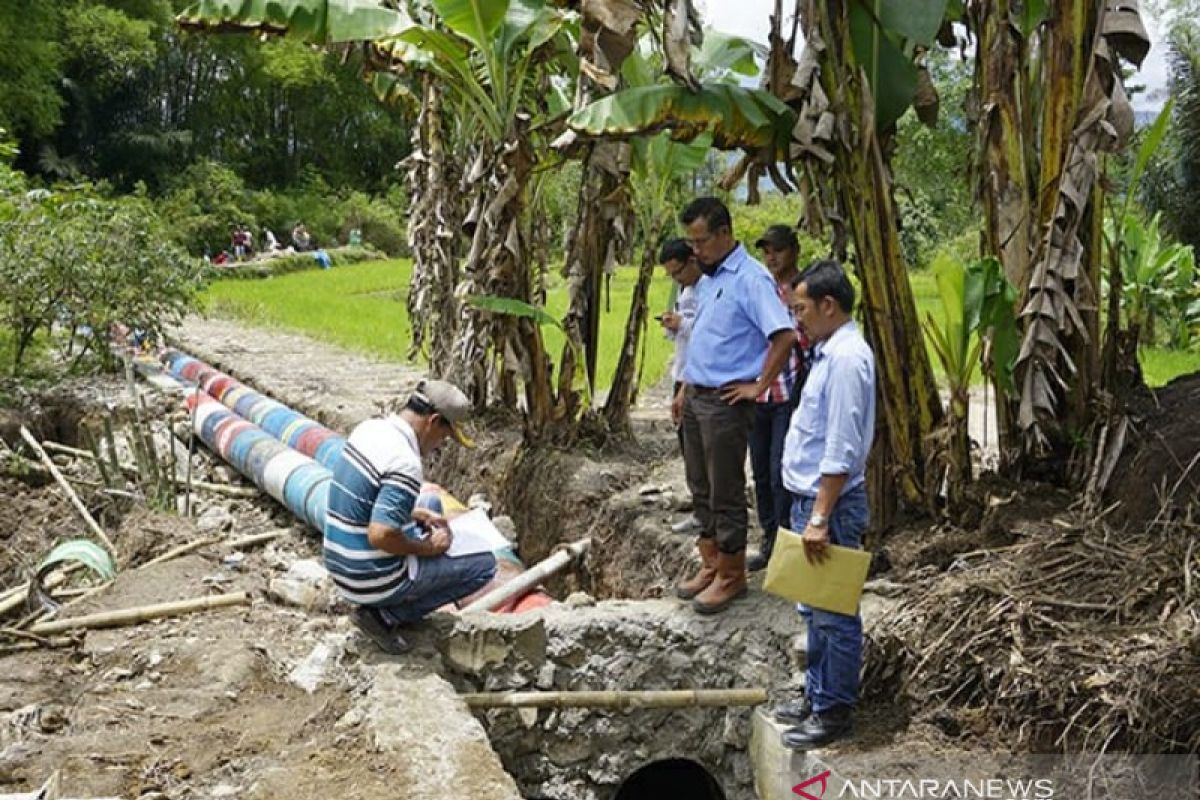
(818, 520)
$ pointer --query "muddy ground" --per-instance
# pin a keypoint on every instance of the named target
(203, 705)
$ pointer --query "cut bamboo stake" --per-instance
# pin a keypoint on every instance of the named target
(182, 549)
(617, 699)
(530, 578)
(66, 487)
(216, 488)
(132, 616)
(233, 544)
(187, 489)
(254, 538)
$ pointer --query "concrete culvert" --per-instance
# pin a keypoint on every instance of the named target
(672, 777)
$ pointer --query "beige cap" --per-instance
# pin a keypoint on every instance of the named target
(448, 400)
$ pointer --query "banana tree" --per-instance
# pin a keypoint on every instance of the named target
(1158, 279)
(1052, 102)
(658, 166)
(860, 70)
(977, 305)
(487, 59)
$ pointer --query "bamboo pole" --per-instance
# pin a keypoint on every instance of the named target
(254, 538)
(182, 549)
(132, 616)
(532, 577)
(619, 699)
(70, 493)
(228, 490)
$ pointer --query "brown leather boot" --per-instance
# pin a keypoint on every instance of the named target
(708, 570)
(729, 585)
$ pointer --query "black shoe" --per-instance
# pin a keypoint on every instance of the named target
(821, 728)
(758, 561)
(763, 557)
(371, 623)
(793, 713)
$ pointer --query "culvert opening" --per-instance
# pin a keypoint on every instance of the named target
(672, 777)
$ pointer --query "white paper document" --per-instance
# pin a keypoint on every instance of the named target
(474, 533)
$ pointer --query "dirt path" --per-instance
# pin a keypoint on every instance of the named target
(339, 387)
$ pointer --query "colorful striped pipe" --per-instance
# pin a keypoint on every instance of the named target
(272, 445)
(290, 477)
(290, 427)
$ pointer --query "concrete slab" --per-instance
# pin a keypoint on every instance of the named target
(440, 749)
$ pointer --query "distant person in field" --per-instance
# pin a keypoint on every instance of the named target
(300, 238)
(384, 553)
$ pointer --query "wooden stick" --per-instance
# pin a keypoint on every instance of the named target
(187, 485)
(22, 647)
(232, 544)
(182, 549)
(530, 578)
(616, 699)
(132, 616)
(70, 493)
(254, 538)
(216, 488)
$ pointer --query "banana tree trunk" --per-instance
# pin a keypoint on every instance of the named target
(907, 394)
(434, 217)
(1004, 187)
(623, 394)
(602, 201)
(506, 349)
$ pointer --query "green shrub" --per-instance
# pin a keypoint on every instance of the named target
(381, 222)
(203, 203)
(75, 263)
(749, 223)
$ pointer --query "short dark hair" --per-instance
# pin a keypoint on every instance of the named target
(714, 212)
(826, 278)
(674, 250)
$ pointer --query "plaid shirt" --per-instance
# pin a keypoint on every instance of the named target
(780, 390)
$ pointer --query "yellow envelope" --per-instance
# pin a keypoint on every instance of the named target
(835, 584)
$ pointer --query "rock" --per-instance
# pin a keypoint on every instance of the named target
(215, 518)
(480, 500)
(506, 526)
(579, 600)
(649, 489)
(306, 584)
(314, 669)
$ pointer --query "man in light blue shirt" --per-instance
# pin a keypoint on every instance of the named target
(741, 337)
(824, 466)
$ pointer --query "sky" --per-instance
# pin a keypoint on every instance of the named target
(751, 19)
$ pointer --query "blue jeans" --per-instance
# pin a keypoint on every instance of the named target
(834, 640)
(766, 462)
(440, 580)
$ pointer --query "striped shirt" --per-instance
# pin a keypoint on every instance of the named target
(780, 390)
(377, 479)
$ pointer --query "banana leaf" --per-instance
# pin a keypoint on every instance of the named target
(315, 21)
(736, 117)
(512, 308)
(475, 20)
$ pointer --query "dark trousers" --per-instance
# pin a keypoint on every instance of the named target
(679, 430)
(774, 503)
(715, 436)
